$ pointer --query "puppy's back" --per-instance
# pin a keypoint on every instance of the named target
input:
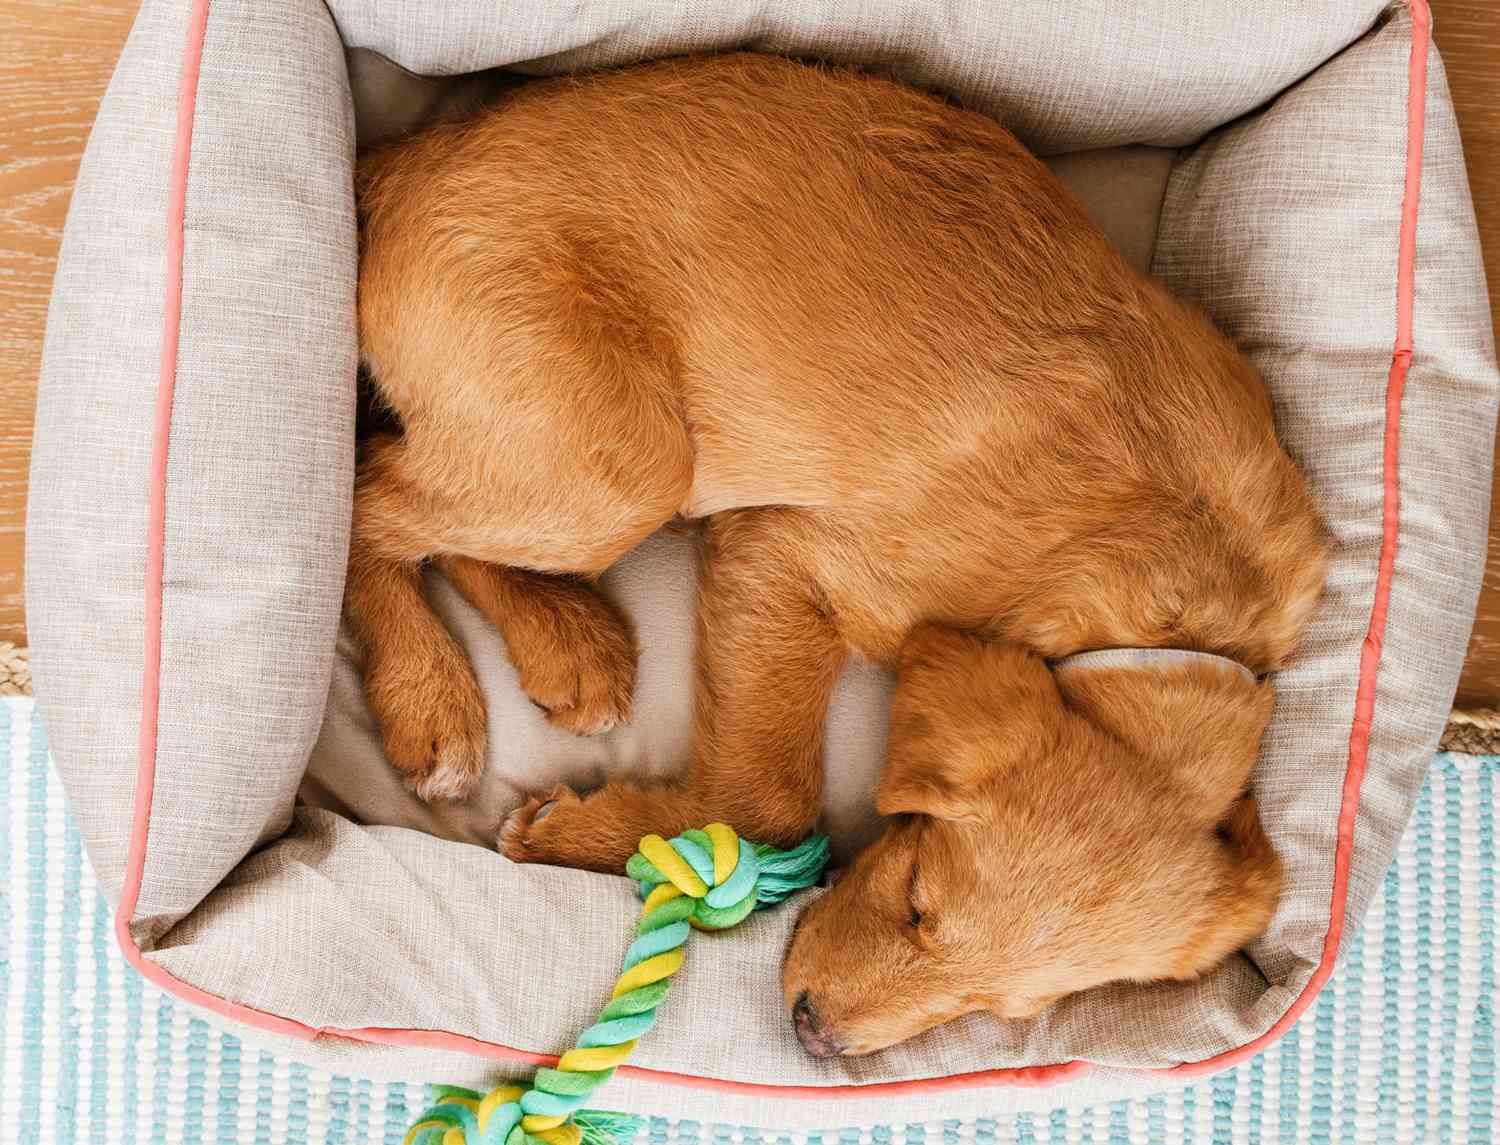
(868, 302)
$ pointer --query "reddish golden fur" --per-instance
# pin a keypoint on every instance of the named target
(927, 416)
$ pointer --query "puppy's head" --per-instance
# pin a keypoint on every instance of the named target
(1040, 847)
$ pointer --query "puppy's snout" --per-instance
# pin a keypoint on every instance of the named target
(816, 1038)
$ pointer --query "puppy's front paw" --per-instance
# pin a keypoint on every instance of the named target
(585, 691)
(575, 657)
(433, 725)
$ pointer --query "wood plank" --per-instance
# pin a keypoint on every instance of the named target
(1467, 33)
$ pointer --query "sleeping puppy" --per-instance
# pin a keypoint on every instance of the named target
(926, 416)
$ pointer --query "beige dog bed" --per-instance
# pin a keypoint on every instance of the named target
(1294, 166)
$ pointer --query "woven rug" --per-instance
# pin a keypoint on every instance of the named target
(1398, 1050)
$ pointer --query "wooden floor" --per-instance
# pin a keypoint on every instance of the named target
(1468, 36)
(55, 58)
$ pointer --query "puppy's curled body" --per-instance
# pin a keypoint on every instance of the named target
(927, 416)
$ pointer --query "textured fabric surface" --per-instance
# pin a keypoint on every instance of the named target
(1285, 223)
(257, 502)
(1063, 78)
(1400, 1047)
(86, 520)
(261, 457)
(1261, 226)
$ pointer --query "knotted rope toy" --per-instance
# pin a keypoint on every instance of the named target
(706, 880)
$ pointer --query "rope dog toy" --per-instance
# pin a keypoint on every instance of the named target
(705, 880)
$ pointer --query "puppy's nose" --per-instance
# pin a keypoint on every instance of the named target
(816, 1038)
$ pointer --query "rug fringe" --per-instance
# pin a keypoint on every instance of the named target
(1475, 731)
(15, 670)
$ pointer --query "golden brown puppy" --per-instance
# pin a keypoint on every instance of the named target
(927, 417)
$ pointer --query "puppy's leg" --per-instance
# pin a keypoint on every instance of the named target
(570, 646)
(421, 687)
(550, 438)
(418, 682)
(767, 662)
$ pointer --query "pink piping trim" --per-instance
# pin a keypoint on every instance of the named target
(1369, 656)
(1359, 736)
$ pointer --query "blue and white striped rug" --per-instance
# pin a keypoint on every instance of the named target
(1398, 1050)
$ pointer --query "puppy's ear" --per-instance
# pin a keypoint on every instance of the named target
(1216, 736)
(1199, 725)
(1248, 885)
(964, 710)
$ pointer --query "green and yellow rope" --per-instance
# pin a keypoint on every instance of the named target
(707, 879)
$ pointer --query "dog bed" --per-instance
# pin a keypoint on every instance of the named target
(190, 506)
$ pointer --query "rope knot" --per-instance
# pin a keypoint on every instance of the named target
(709, 879)
(713, 868)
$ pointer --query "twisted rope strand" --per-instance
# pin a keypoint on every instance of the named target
(707, 879)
